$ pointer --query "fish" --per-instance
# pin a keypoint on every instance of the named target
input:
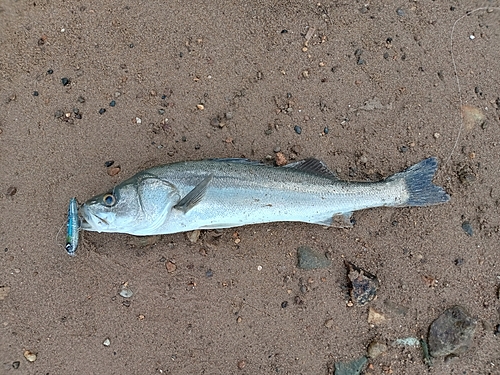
(73, 227)
(226, 193)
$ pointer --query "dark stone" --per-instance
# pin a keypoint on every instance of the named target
(16, 364)
(363, 284)
(112, 103)
(109, 163)
(65, 81)
(284, 304)
(451, 333)
(467, 227)
(297, 129)
(35, 93)
(50, 71)
(308, 259)
(102, 110)
(351, 368)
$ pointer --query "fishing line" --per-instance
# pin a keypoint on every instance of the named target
(455, 72)
(59, 231)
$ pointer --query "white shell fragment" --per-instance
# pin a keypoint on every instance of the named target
(125, 292)
(30, 356)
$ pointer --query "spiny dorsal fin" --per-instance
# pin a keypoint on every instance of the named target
(194, 196)
(313, 166)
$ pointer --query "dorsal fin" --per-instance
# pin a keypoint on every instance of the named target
(313, 166)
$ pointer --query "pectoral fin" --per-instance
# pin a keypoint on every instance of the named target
(194, 196)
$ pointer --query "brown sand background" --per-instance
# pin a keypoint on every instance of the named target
(234, 57)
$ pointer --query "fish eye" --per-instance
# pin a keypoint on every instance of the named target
(109, 200)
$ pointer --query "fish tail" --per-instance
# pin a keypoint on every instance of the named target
(418, 180)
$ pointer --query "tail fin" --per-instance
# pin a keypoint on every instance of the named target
(418, 179)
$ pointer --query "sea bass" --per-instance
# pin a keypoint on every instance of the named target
(224, 193)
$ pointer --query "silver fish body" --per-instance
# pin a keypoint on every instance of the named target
(223, 193)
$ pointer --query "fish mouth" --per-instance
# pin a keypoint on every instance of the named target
(90, 221)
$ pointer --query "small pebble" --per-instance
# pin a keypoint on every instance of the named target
(308, 259)
(193, 236)
(374, 317)
(467, 228)
(201, 107)
(242, 364)
(35, 93)
(209, 273)
(11, 191)
(329, 323)
(102, 110)
(297, 129)
(363, 284)
(126, 292)
(15, 365)
(81, 99)
(112, 103)
(280, 159)
(451, 332)
(170, 266)
(215, 122)
(109, 163)
(353, 367)
(50, 71)
(65, 81)
(138, 120)
(106, 342)
(400, 12)
(376, 348)
(326, 130)
(113, 171)
(58, 114)
(30, 356)
(284, 304)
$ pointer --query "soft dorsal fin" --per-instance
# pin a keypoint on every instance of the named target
(194, 196)
(313, 166)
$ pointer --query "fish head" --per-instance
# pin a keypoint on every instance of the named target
(136, 206)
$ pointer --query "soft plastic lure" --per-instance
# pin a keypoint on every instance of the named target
(73, 226)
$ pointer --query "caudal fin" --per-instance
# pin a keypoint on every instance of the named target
(418, 180)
